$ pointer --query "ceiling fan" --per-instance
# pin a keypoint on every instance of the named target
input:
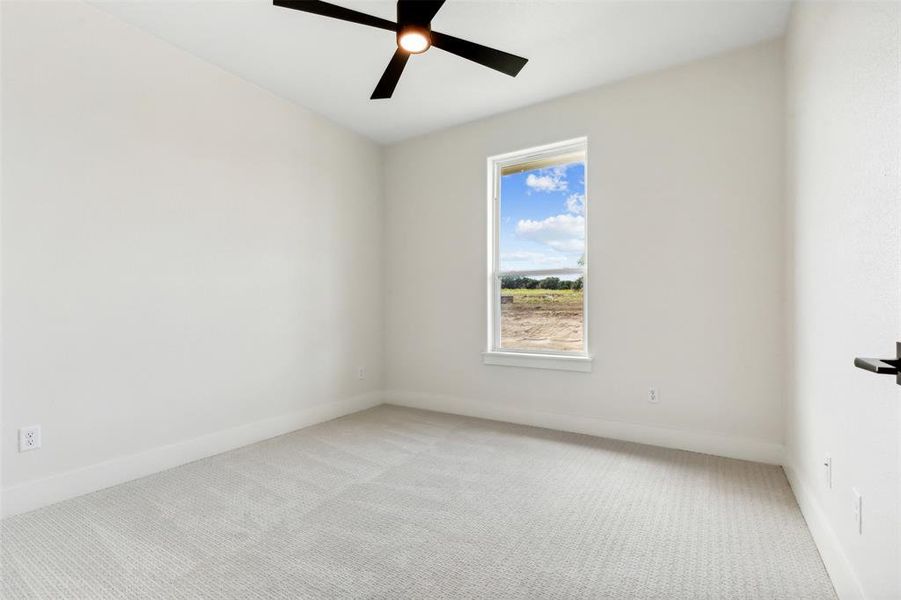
(414, 36)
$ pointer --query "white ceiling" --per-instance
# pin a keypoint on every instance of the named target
(570, 45)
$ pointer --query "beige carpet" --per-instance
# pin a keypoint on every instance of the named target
(398, 503)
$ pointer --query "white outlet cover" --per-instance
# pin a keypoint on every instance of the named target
(29, 438)
(653, 395)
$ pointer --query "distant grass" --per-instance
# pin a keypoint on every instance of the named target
(542, 297)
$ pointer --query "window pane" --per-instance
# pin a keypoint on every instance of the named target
(542, 218)
(541, 227)
(536, 314)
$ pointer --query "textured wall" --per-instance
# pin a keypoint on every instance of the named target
(844, 195)
(183, 252)
(686, 242)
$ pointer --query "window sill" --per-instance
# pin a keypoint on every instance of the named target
(538, 361)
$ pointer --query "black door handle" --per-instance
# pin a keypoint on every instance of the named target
(883, 366)
(877, 365)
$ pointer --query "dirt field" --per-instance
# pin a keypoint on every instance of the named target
(542, 319)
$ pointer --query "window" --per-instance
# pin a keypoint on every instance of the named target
(538, 265)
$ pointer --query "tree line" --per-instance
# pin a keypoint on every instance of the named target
(548, 283)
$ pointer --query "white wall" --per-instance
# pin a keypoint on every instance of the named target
(844, 194)
(184, 255)
(686, 261)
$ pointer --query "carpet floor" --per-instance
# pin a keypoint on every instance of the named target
(400, 503)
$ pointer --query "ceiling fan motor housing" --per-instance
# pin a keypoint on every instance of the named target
(408, 13)
(411, 22)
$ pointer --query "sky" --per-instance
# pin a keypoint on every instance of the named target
(542, 218)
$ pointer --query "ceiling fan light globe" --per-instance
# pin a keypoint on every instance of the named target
(413, 41)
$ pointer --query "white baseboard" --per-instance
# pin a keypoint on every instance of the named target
(30, 495)
(681, 439)
(34, 494)
(845, 581)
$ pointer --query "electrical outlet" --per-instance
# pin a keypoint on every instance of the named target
(653, 396)
(858, 510)
(361, 373)
(29, 438)
(827, 466)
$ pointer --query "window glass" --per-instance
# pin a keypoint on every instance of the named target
(540, 253)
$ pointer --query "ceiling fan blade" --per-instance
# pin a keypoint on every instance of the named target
(390, 77)
(336, 12)
(418, 12)
(498, 60)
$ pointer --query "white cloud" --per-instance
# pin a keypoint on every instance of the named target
(565, 233)
(576, 204)
(548, 180)
(534, 258)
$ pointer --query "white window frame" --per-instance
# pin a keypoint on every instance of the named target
(531, 158)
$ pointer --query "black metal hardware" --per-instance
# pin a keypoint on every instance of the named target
(883, 366)
(877, 365)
